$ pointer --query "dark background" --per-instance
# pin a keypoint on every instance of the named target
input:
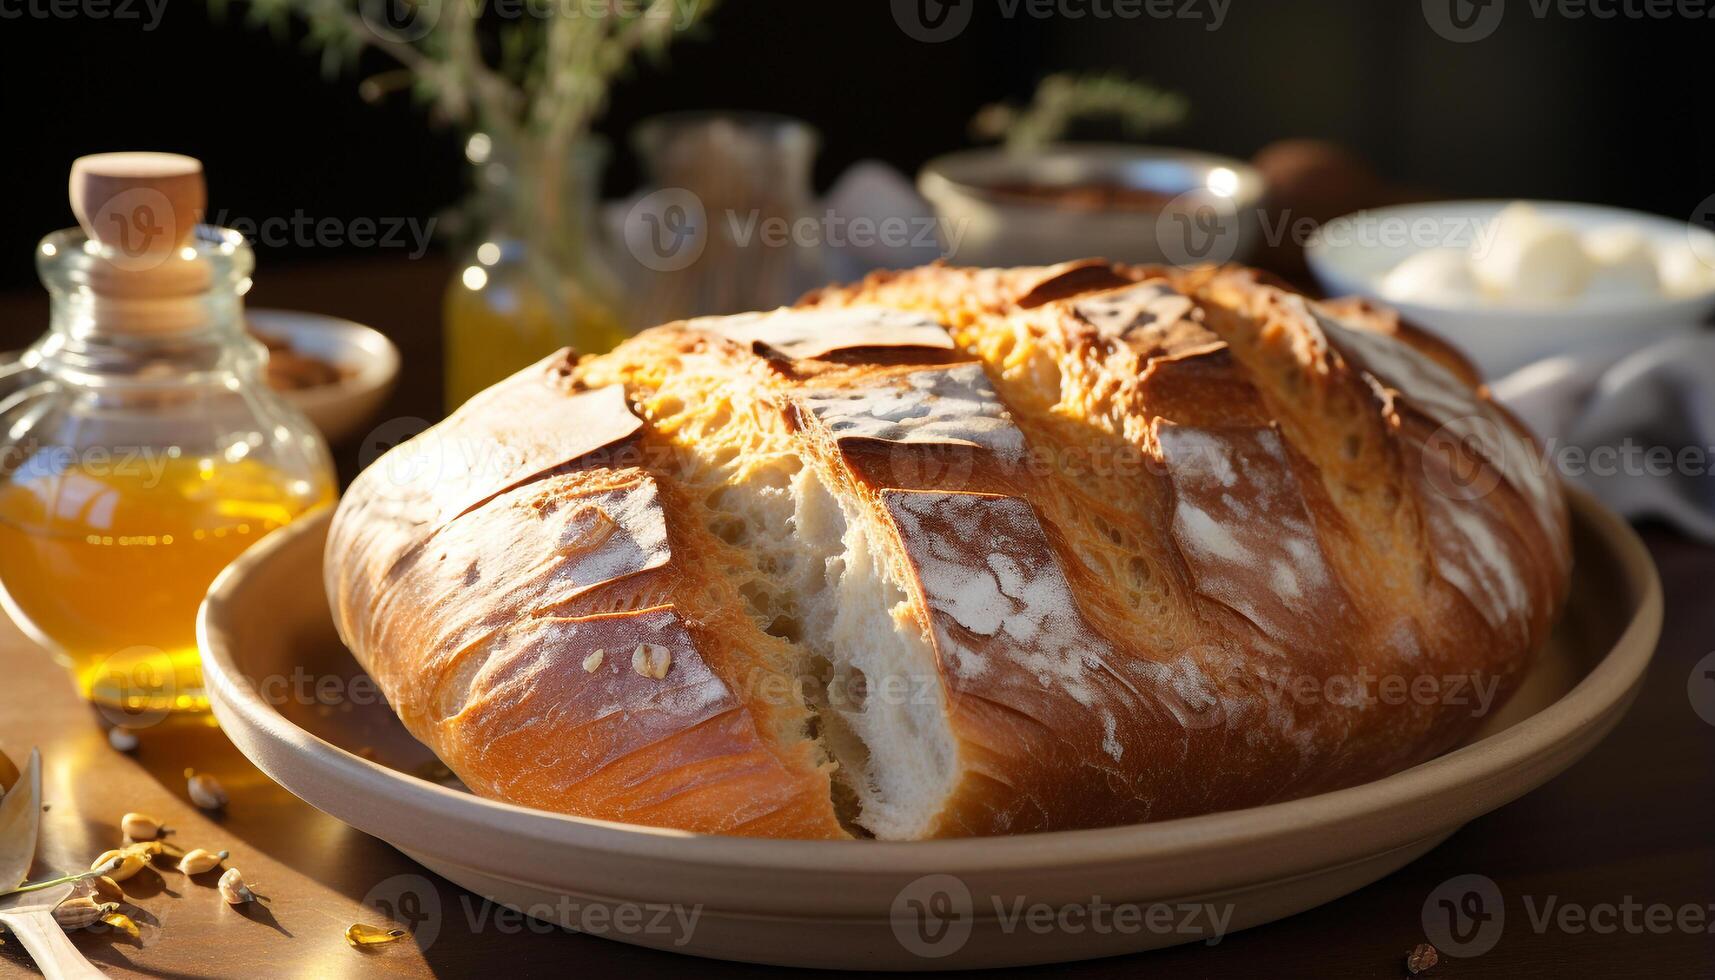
(1606, 110)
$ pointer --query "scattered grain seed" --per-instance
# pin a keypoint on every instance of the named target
(360, 935)
(592, 663)
(205, 790)
(1421, 959)
(123, 923)
(233, 888)
(588, 529)
(140, 826)
(106, 889)
(651, 660)
(122, 739)
(76, 913)
(145, 849)
(200, 860)
(129, 864)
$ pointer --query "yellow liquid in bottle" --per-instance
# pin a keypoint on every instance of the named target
(108, 565)
(493, 331)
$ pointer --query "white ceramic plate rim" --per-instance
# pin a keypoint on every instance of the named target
(1353, 268)
(1613, 681)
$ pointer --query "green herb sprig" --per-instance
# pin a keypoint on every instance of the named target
(1062, 99)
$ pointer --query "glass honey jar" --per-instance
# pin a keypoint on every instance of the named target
(141, 449)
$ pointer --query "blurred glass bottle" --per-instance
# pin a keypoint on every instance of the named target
(729, 226)
(140, 448)
(534, 273)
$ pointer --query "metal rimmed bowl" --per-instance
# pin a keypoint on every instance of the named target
(999, 208)
(929, 905)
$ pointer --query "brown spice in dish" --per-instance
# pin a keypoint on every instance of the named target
(290, 370)
(1094, 196)
(1421, 959)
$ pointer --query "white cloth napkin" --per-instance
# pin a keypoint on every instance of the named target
(1634, 427)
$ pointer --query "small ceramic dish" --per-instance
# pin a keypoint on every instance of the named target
(367, 361)
(873, 905)
(1140, 204)
(1351, 254)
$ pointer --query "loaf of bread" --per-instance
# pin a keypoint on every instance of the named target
(959, 552)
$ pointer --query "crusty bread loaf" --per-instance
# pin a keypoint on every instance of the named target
(959, 552)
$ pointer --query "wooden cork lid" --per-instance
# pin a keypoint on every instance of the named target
(143, 209)
(140, 205)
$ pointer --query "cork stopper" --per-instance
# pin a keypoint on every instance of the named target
(143, 209)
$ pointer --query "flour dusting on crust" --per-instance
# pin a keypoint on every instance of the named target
(954, 406)
(1011, 612)
(539, 668)
(815, 332)
(505, 443)
(1240, 520)
(598, 537)
(1467, 419)
(1116, 313)
(1476, 552)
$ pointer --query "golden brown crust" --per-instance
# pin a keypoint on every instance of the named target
(1178, 540)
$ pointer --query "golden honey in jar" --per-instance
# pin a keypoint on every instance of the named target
(108, 563)
(141, 449)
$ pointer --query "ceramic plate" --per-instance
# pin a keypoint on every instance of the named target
(930, 905)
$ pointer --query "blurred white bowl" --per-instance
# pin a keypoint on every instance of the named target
(367, 361)
(1350, 256)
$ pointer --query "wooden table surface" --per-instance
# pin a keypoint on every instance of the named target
(1629, 826)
